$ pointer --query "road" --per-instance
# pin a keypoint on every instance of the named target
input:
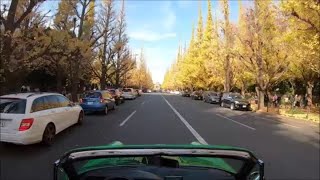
(290, 149)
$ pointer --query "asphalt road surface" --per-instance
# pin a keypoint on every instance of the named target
(289, 148)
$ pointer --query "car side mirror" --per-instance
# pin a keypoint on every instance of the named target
(257, 172)
(71, 104)
(59, 173)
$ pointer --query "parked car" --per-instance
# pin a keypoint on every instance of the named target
(129, 93)
(196, 95)
(185, 93)
(211, 97)
(175, 92)
(234, 101)
(139, 92)
(98, 101)
(28, 118)
(117, 95)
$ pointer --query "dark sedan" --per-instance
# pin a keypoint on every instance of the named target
(185, 94)
(234, 101)
(211, 97)
(196, 95)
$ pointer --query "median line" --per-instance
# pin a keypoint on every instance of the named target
(236, 122)
(127, 119)
(193, 131)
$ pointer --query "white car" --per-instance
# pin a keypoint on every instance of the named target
(129, 93)
(176, 92)
(28, 118)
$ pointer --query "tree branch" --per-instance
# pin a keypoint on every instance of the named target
(32, 4)
(295, 14)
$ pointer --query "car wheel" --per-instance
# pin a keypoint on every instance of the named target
(80, 118)
(48, 134)
(105, 112)
(232, 106)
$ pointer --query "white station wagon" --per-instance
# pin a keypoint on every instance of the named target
(27, 118)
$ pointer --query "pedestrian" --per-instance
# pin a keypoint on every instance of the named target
(296, 101)
(23, 89)
(275, 99)
(64, 91)
(279, 100)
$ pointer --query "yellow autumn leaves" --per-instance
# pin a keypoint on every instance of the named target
(270, 43)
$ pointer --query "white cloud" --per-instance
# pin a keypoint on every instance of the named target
(150, 36)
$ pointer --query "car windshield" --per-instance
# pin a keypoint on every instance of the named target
(93, 95)
(241, 73)
(12, 106)
(237, 96)
(112, 91)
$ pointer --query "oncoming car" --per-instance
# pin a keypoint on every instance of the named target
(28, 118)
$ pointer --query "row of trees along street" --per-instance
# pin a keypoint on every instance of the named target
(83, 43)
(273, 45)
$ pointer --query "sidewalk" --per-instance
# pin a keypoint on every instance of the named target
(288, 118)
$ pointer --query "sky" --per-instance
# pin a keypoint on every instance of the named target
(159, 26)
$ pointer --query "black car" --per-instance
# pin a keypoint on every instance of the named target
(196, 95)
(234, 101)
(185, 94)
(211, 97)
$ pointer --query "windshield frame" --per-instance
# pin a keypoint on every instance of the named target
(66, 162)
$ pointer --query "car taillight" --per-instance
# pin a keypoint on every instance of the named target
(25, 124)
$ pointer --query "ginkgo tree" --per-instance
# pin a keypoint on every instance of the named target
(271, 43)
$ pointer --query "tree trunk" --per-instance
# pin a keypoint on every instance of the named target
(103, 77)
(74, 91)
(227, 75)
(59, 81)
(309, 89)
(243, 89)
(261, 99)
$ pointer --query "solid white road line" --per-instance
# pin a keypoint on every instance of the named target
(194, 132)
(236, 122)
(127, 118)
